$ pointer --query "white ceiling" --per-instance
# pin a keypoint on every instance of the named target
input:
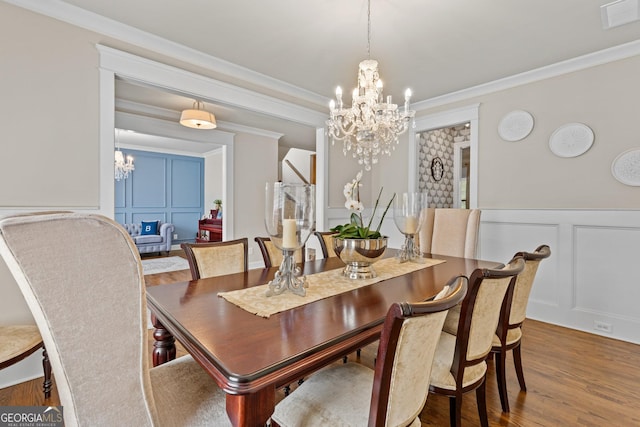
(433, 47)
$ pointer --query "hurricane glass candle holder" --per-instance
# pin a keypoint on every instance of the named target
(289, 220)
(408, 215)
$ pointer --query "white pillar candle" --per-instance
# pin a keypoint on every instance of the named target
(289, 239)
(411, 225)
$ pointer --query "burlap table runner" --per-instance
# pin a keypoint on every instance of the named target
(321, 285)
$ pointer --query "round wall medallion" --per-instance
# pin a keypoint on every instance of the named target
(571, 140)
(437, 168)
(626, 167)
(515, 126)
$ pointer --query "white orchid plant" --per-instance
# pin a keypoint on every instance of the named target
(355, 229)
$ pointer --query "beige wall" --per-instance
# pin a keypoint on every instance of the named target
(258, 165)
(527, 175)
(390, 173)
(49, 120)
(48, 112)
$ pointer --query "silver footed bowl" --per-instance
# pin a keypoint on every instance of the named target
(359, 255)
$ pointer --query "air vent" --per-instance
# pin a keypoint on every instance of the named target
(619, 13)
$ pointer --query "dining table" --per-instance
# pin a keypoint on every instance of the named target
(250, 356)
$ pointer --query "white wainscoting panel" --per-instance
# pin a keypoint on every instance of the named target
(500, 241)
(590, 282)
(609, 295)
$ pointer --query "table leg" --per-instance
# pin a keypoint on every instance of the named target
(251, 410)
(164, 347)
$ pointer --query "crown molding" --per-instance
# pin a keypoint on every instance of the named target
(140, 109)
(93, 22)
(74, 15)
(137, 68)
(616, 53)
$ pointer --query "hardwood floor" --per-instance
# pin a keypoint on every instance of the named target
(573, 379)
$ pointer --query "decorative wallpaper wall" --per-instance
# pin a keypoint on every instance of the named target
(438, 143)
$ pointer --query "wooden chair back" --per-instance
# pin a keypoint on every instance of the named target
(524, 284)
(325, 238)
(489, 291)
(217, 258)
(17, 342)
(272, 256)
(403, 365)
(509, 332)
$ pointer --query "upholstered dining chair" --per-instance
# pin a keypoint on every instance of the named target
(394, 393)
(17, 342)
(325, 238)
(509, 332)
(459, 364)
(89, 304)
(217, 258)
(272, 256)
(448, 231)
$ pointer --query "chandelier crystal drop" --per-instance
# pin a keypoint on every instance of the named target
(370, 126)
(122, 168)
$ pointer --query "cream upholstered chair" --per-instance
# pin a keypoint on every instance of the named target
(217, 258)
(452, 232)
(272, 255)
(391, 395)
(509, 332)
(460, 364)
(89, 303)
(20, 341)
(325, 238)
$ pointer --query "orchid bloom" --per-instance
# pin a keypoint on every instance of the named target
(356, 228)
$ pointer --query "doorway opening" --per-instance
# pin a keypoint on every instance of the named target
(424, 166)
(444, 165)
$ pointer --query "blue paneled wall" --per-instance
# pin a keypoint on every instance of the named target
(162, 187)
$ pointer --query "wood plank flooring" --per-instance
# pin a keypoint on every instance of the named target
(573, 379)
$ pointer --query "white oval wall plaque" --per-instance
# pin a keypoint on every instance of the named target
(626, 167)
(571, 140)
(515, 126)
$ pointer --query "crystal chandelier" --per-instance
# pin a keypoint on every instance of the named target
(370, 126)
(122, 168)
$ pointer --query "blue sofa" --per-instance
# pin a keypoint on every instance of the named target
(151, 242)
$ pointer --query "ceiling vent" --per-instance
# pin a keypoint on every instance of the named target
(619, 12)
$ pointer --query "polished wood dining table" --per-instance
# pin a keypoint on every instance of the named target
(250, 356)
